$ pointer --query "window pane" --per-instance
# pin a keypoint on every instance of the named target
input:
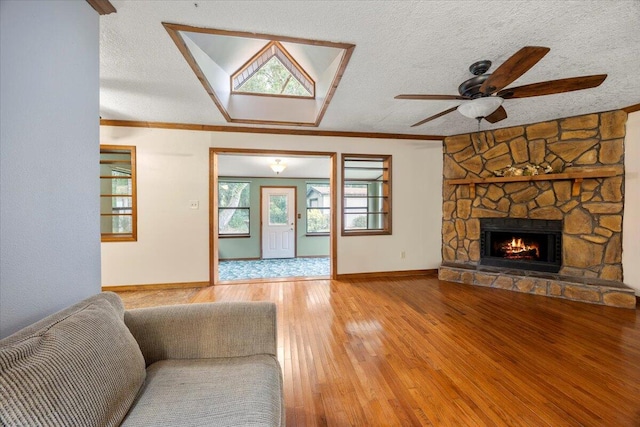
(273, 78)
(233, 221)
(355, 221)
(233, 203)
(364, 169)
(116, 205)
(117, 186)
(318, 220)
(355, 190)
(375, 221)
(121, 185)
(233, 194)
(272, 71)
(278, 210)
(116, 224)
(115, 156)
(318, 195)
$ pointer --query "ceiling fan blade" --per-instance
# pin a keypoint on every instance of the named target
(518, 64)
(432, 97)
(553, 86)
(496, 116)
(421, 122)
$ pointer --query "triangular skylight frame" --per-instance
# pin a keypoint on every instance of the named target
(260, 59)
(205, 50)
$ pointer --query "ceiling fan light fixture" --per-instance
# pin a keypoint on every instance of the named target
(480, 107)
(277, 167)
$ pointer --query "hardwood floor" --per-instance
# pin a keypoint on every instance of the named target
(417, 351)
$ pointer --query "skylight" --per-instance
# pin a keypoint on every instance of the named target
(273, 71)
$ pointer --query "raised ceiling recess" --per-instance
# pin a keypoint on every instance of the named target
(216, 57)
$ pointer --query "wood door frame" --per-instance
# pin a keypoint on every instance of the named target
(214, 152)
(295, 216)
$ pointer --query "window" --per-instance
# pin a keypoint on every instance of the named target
(118, 213)
(233, 209)
(318, 208)
(278, 209)
(366, 194)
(273, 71)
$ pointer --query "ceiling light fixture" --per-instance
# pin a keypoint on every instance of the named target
(277, 167)
(480, 107)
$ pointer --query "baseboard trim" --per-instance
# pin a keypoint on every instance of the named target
(154, 286)
(384, 274)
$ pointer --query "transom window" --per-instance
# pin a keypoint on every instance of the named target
(233, 209)
(318, 208)
(118, 207)
(273, 71)
(366, 194)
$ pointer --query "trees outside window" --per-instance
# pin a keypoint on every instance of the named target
(273, 72)
(233, 208)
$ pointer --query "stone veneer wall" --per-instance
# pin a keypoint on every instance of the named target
(592, 235)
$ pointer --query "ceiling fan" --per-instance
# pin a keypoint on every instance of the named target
(484, 93)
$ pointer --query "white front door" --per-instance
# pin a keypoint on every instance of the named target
(278, 222)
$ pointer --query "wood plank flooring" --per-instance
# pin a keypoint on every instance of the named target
(418, 351)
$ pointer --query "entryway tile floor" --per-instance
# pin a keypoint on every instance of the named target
(272, 268)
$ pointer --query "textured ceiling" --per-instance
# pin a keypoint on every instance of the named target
(401, 47)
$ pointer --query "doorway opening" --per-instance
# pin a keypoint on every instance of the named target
(266, 223)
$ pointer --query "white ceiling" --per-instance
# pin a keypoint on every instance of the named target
(401, 47)
(241, 165)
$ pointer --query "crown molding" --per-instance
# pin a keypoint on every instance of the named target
(246, 129)
(631, 108)
(103, 7)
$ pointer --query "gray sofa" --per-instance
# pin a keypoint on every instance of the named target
(95, 364)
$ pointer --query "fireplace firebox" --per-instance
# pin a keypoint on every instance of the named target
(525, 244)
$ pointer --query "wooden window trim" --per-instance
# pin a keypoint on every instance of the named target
(122, 237)
(385, 197)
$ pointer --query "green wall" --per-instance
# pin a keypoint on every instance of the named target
(249, 247)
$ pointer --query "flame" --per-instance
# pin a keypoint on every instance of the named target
(517, 248)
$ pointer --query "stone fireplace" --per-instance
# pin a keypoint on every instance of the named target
(583, 198)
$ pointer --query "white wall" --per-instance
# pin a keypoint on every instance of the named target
(631, 219)
(49, 108)
(173, 168)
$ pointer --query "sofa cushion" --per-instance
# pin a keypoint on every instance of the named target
(237, 391)
(80, 366)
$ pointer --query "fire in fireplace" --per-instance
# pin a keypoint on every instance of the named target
(521, 244)
(518, 248)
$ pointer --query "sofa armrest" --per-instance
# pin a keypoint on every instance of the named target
(198, 331)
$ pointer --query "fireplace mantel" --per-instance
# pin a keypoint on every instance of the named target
(577, 177)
